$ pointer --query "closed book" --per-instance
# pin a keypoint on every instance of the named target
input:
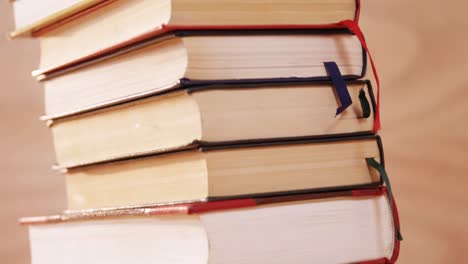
(202, 172)
(113, 24)
(215, 115)
(187, 58)
(359, 226)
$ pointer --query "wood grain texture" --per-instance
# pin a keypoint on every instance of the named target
(28, 186)
(420, 49)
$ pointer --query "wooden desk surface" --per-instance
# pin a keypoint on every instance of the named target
(421, 48)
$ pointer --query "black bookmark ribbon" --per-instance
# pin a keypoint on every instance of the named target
(366, 110)
(374, 164)
(340, 86)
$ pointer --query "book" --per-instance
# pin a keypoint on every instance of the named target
(31, 15)
(202, 131)
(211, 115)
(114, 24)
(343, 227)
(211, 172)
(188, 58)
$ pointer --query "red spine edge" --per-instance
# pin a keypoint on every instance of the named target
(377, 261)
(369, 192)
(202, 207)
(358, 11)
(396, 222)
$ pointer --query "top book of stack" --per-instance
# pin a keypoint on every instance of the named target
(83, 30)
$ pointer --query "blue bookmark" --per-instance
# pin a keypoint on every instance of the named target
(340, 86)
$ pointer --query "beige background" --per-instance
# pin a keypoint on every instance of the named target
(421, 51)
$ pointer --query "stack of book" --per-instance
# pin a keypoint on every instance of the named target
(201, 131)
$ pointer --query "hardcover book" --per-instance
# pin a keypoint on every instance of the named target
(357, 226)
(203, 172)
(188, 58)
(112, 24)
(211, 115)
